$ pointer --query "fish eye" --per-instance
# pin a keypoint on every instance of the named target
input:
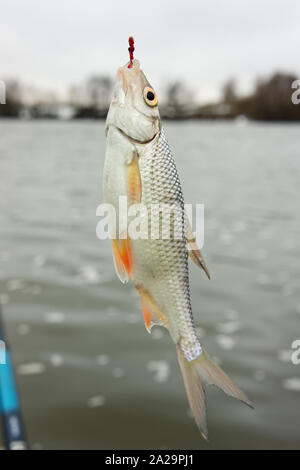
(150, 96)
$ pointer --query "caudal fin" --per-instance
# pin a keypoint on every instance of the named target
(198, 373)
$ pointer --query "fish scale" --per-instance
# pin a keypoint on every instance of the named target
(166, 260)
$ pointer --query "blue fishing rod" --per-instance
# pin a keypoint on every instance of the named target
(12, 422)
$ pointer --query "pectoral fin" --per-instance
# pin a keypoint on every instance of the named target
(194, 252)
(134, 181)
(122, 258)
(151, 311)
(122, 253)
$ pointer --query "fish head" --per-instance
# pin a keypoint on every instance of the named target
(134, 109)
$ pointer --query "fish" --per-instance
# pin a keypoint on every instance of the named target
(140, 167)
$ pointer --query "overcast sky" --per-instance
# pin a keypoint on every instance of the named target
(57, 43)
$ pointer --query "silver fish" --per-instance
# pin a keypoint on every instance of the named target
(140, 166)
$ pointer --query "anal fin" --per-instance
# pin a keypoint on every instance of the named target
(151, 311)
(122, 258)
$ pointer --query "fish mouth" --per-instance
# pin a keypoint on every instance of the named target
(136, 141)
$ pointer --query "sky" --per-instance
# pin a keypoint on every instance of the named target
(204, 43)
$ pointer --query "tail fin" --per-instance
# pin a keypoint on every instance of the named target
(198, 373)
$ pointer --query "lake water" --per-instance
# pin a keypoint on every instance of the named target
(89, 374)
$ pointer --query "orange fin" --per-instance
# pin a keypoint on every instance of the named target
(151, 311)
(134, 181)
(194, 252)
(122, 258)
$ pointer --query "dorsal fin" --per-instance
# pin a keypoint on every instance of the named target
(194, 252)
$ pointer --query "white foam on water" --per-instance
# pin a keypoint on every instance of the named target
(292, 384)
(225, 342)
(161, 370)
(39, 261)
(32, 368)
(55, 317)
(90, 274)
(103, 360)
(229, 327)
(96, 401)
(56, 360)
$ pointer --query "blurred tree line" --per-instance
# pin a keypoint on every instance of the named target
(270, 100)
(93, 99)
(13, 98)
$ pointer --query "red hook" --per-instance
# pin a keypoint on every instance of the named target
(131, 50)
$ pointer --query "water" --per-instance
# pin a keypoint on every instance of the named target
(89, 374)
